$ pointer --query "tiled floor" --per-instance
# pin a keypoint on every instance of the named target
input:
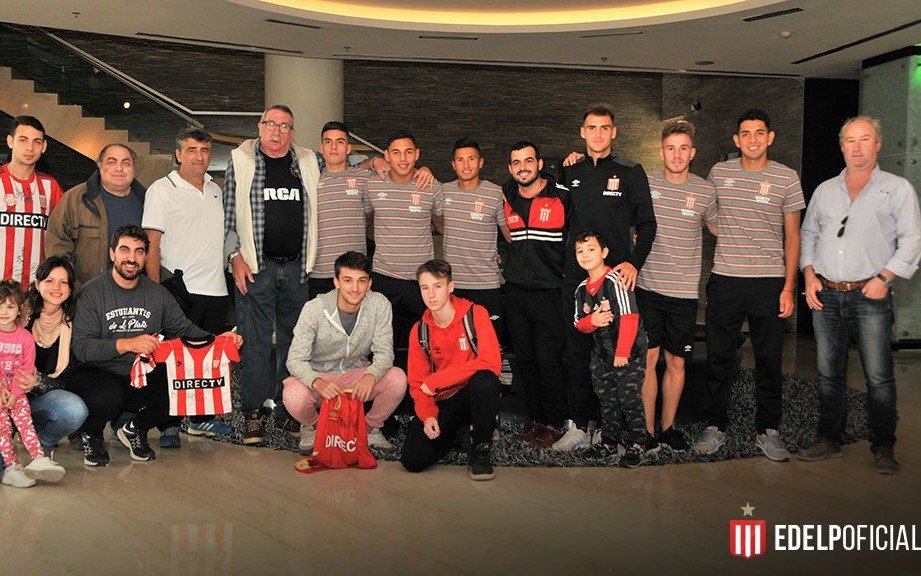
(213, 508)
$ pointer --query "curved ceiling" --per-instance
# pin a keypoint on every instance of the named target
(503, 16)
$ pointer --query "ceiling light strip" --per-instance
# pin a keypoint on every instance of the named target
(298, 24)
(772, 15)
(857, 42)
(216, 43)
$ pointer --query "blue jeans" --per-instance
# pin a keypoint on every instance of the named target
(55, 414)
(846, 315)
(273, 302)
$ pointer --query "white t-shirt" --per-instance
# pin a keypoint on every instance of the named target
(192, 223)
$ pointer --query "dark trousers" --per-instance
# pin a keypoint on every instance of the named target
(209, 312)
(321, 286)
(273, 303)
(730, 301)
(407, 304)
(846, 315)
(107, 395)
(618, 389)
(536, 329)
(477, 403)
(491, 300)
(582, 402)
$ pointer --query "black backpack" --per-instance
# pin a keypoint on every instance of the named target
(469, 328)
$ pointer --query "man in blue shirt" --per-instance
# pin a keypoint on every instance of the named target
(862, 231)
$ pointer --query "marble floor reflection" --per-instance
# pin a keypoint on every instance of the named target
(212, 508)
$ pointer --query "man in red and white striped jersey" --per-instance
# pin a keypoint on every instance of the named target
(341, 203)
(668, 284)
(754, 278)
(474, 209)
(28, 198)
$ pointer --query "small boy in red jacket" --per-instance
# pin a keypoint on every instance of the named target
(455, 383)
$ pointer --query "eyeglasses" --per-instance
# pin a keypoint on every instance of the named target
(843, 224)
(270, 125)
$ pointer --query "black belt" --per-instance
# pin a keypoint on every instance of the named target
(282, 259)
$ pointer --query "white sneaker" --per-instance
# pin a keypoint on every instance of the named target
(710, 441)
(772, 446)
(15, 477)
(45, 469)
(377, 440)
(574, 439)
(596, 437)
(305, 444)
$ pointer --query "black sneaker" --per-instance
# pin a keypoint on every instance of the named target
(632, 457)
(651, 445)
(674, 439)
(602, 451)
(290, 426)
(885, 460)
(480, 468)
(254, 428)
(136, 442)
(94, 450)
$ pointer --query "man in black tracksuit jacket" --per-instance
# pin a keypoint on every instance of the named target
(609, 194)
(535, 211)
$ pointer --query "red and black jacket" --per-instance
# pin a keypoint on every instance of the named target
(538, 229)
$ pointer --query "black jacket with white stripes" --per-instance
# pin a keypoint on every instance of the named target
(538, 228)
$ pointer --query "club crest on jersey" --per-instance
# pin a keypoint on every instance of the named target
(764, 189)
(10, 200)
(462, 343)
(613, 183)
(544, 214)
(416, 200)
(689, 202)
(43, 202)
(351, 182)
(477, 213)
(605, 305)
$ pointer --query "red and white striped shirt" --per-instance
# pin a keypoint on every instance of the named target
(198, 375)
(23, 221)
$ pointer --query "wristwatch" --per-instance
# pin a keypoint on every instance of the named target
(884, 280)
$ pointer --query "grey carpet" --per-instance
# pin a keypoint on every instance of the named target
(800, 420)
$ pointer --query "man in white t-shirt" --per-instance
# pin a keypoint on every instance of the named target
(184, 219)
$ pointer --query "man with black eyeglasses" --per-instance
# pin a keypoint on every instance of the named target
(757, 209)
(862, 231)
(270, 239)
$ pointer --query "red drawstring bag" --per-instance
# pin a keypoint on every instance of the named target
(342, 437)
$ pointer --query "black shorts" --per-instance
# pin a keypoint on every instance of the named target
(670, 322)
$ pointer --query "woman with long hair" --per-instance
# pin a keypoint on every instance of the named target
(56, 412)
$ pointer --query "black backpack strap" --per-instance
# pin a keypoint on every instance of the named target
(423, 334)
(470, 329)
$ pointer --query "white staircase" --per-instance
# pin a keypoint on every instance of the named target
(66, 124)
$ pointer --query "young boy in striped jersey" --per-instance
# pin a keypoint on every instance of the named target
(607, 310)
